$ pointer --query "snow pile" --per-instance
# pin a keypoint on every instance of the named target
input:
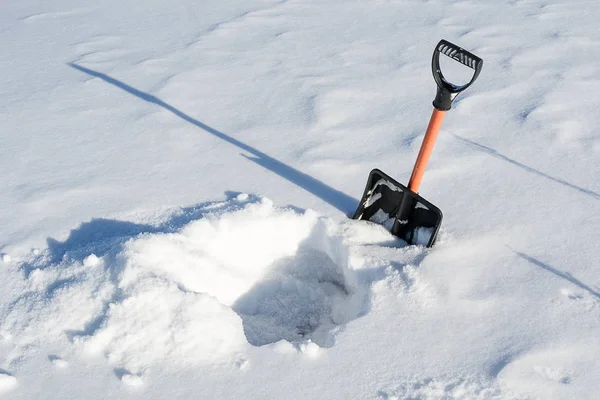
(244, 273)
(154, 321)
(58, 362)
(7, 382)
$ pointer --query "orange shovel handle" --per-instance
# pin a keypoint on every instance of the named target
(446, 93)
(426, 148)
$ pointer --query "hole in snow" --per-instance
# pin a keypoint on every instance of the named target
(304, 296)
(194, 289)
(284, 273)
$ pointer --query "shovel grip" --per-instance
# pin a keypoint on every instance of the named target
(447, 91)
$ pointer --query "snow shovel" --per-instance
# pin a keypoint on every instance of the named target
(397, 207)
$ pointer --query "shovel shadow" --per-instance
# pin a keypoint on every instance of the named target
(561, 274)
(527, 168)
(334, 197)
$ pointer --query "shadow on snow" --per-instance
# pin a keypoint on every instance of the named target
(561, 274)
(334, 197)
(304, 296)
(527, 168)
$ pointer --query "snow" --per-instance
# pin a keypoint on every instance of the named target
(177, 179)
(132, 380)
(7, 382)
(58, 362)
(185, 297)
(91, 260)
(382, 218)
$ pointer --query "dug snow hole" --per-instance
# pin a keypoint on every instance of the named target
(284, 273)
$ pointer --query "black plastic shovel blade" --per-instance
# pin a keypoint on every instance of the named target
(403, 212)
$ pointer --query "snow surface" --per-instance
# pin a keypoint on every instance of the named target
(176, 179)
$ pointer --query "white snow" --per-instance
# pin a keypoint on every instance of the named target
(383, 218)
(177, 176)
(132, 380)
(91, 260)
(185, 298)
(7, 382)
(58, 362)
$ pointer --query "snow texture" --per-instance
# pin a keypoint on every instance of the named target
(7, 382)
(177, 179)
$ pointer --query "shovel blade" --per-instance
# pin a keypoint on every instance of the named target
(401, 211)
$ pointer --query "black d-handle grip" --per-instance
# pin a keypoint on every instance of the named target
(446, 91)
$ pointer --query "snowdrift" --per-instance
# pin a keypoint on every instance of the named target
(243, 273)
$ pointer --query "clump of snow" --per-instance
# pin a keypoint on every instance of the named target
(242, 363)
(132, 380)
(242, 197)
(6, 258)
(383, 218)
(7, 382)
(155, 321)
(283, 347)
(310, 348)
(222, 255)
(58, 362)
(91, 260)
